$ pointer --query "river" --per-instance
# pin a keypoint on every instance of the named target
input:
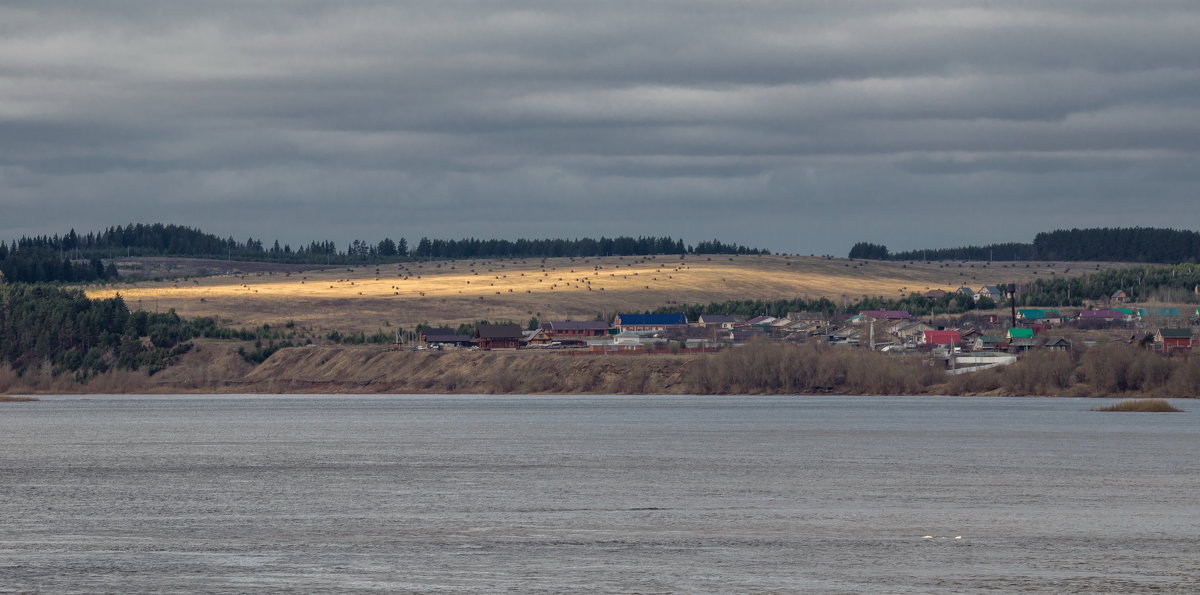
(630, 494)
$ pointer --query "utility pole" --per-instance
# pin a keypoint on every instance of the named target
(1012, 302)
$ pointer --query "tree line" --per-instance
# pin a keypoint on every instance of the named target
(77, 258)
(1128, 244)
(46, 324)
(915, 303)
(1174, 283)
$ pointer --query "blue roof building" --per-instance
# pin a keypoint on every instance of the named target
(650, 322)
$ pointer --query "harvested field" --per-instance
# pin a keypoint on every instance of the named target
(368, 298)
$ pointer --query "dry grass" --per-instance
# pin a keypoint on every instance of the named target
(1142, 406)
(360, 298)
(15, 399)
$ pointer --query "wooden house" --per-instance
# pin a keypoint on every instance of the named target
(569, 329)
(1173, 339)
(499, 336)
(719, 320)
(537, 338)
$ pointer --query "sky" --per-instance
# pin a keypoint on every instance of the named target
(796, 126)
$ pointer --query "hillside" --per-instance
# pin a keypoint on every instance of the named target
(403, 295)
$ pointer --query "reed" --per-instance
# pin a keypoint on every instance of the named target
(15, 399)
(1141, 406)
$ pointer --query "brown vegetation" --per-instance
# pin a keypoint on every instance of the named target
(1142, 406)
(214, 366)
(15, 399)
(772, 368)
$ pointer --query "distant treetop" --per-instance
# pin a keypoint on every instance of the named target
(1130, 244)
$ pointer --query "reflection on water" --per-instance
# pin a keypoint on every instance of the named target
(622, 494)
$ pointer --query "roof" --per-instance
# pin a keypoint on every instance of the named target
(1164, 312)
(887, 314)
(678, 318)
(761, 320)
(1037, 313)
(499, 331)
(807, 315)
(1175, 333)
(1020, 333)
(1101, 314)
(718, 318)
(942, 337)
(579, 325)
(447, 338)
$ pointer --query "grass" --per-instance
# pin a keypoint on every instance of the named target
(14, 399)
(1141, 406)
(366, 298)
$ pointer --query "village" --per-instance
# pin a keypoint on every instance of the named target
(1013, 331)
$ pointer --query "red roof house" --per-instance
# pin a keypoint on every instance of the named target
(950, 338)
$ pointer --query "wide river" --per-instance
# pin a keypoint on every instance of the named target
(644, 494)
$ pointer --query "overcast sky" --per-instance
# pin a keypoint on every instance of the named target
(794, 126)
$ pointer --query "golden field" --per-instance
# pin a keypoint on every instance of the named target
(368, 298)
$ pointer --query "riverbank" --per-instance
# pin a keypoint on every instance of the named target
(218, 367)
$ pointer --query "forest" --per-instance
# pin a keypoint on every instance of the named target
(74, 258)
(1129, 244)
(44, 324)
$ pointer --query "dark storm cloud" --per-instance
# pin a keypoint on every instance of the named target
(799, 126)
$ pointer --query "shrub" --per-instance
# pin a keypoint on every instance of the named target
(1141, 406)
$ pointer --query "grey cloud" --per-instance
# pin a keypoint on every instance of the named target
(798, 126)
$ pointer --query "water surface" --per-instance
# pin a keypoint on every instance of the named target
(464, 494)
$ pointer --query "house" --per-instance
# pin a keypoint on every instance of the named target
(1119, 297)
(910, 331)
(444, 337)
(763, 321)
(650, 322)
(1108, 315)
(626, 341)
(1056, 343)
(1157, 313)
(810, 317)
(499, 336)
(1022, 344)
(845, 335)
(537, 338)
(1172, 339)
(719, 320)
(988, 344)
(967, 291)
(949, 338)
(568, 329)
(744, 334)
(935, 294)
(1020, 333)
(1045, 315)
(990, 291)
